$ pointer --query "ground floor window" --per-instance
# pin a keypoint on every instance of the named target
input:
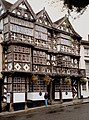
(40, 86)
(64, 87)
(16, 84)
(19, 84)
(57, 86)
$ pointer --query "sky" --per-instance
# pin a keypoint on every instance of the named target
(56, 11)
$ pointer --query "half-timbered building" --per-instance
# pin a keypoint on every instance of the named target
(38, 55)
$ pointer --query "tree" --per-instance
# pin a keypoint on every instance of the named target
(73, 5)
(78, 5)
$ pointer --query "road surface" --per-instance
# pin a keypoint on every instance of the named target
(76, 112)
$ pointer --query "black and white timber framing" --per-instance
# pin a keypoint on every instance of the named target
(36, 48)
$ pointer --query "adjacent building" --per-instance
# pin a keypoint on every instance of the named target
(84, 64)
(38, 56)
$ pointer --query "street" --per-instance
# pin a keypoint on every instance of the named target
(76, 112)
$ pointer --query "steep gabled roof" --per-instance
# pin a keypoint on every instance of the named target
(6, 4)
(44, 16)
(17, 3)
(68, 25)
(59, 21)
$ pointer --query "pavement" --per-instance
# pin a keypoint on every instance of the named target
(54, 105)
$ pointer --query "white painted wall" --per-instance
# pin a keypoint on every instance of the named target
(68, 96)
(57, 95)
(64, 95)
(8, 97)
(17, 97)
(35, 96)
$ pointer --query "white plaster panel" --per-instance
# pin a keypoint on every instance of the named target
(84, 93)
(57, 95)
(18, 97)
(68, 96)
(35, 96)
(8, 97)
(64, 96)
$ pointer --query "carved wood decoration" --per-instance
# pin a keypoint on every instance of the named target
(21, 22)
(50, 45)
(6, 28)
(41, 37)
(53, 37)
(22, 9)
(8, 57)
(21, 30)
(65, 25)
(67, 44)
(68, 65)
(49, 67)
(54, 63)
(22, 58)
(43, 18)
(39, 61)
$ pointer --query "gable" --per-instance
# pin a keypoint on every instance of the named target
(65, 25)
(22, 9)
(43, 18)
(2, 10)
(4, 6)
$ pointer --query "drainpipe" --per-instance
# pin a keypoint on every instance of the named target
(60, 90)
(11, 96)
(26, 79)
(51, 92)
